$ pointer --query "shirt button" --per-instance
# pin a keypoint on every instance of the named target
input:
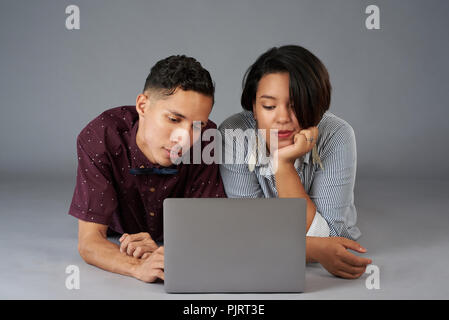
(152, 214)
(152, 189)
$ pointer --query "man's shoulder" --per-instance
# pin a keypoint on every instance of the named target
(102, 131)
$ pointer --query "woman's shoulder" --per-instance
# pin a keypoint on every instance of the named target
(334, 131)
(242, 120)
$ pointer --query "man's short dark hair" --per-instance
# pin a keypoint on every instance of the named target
(179, 71)
(310, 88)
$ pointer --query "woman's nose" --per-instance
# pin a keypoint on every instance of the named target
(283, 115)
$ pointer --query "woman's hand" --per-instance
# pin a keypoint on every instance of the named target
(332, 254)
(300, 147)
(137, 245)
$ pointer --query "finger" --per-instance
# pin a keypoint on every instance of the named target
(351, 244)
(146, 255)
(309, 136)
(123, 237)
(307, 132)
(160, 250)
(141, 250)
(346, 275)
(351, 259)
(139, 236)
(158, 265)
(130, 249)
(351, 269)
(133, 237)
(138, 252)
(124, 243)
(148, 243)
(303, 136)
(160, 274)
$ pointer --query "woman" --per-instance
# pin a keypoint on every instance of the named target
(286, 97)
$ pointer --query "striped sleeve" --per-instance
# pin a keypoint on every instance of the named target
(332, 189)
(238, 180)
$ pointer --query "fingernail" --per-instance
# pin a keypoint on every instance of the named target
(362, 249)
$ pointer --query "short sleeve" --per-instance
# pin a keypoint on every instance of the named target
(94, 198)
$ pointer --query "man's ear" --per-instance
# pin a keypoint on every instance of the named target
(141, 103)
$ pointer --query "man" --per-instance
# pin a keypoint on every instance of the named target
(126, 169)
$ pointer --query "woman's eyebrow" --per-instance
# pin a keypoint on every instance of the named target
(267, 97)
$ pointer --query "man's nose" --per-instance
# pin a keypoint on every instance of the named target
(180, 136)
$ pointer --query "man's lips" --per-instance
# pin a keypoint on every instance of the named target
(169, 151)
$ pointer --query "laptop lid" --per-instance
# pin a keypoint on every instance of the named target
(234, 245)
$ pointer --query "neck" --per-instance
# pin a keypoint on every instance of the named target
(140, 141)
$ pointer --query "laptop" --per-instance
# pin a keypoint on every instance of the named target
(234, 245)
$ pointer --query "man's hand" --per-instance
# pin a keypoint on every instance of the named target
(300, 147)
(332, 254)
(137, 245)
(151, 266)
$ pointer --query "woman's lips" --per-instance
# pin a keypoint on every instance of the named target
(284, 133)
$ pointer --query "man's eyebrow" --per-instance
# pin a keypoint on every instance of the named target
(267, 97)
(175, 113)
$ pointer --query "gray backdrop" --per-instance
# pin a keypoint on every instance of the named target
(389, 84)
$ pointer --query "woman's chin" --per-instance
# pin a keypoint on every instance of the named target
(283, 144)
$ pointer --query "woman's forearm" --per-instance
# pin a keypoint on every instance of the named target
(288, 185)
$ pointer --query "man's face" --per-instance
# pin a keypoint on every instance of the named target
(166, 121)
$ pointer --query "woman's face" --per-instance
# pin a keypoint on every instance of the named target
(272, 109)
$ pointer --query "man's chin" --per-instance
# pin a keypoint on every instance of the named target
(165, 163)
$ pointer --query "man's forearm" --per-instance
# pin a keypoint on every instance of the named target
(106, 255)
(288, 185)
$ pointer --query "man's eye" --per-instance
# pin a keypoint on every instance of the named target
(173, 119)
(268, 107)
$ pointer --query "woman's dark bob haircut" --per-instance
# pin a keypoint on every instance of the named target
(310, 88)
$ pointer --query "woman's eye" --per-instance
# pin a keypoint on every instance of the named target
(268, 107)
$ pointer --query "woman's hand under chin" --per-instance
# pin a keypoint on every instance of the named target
(301, 146)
